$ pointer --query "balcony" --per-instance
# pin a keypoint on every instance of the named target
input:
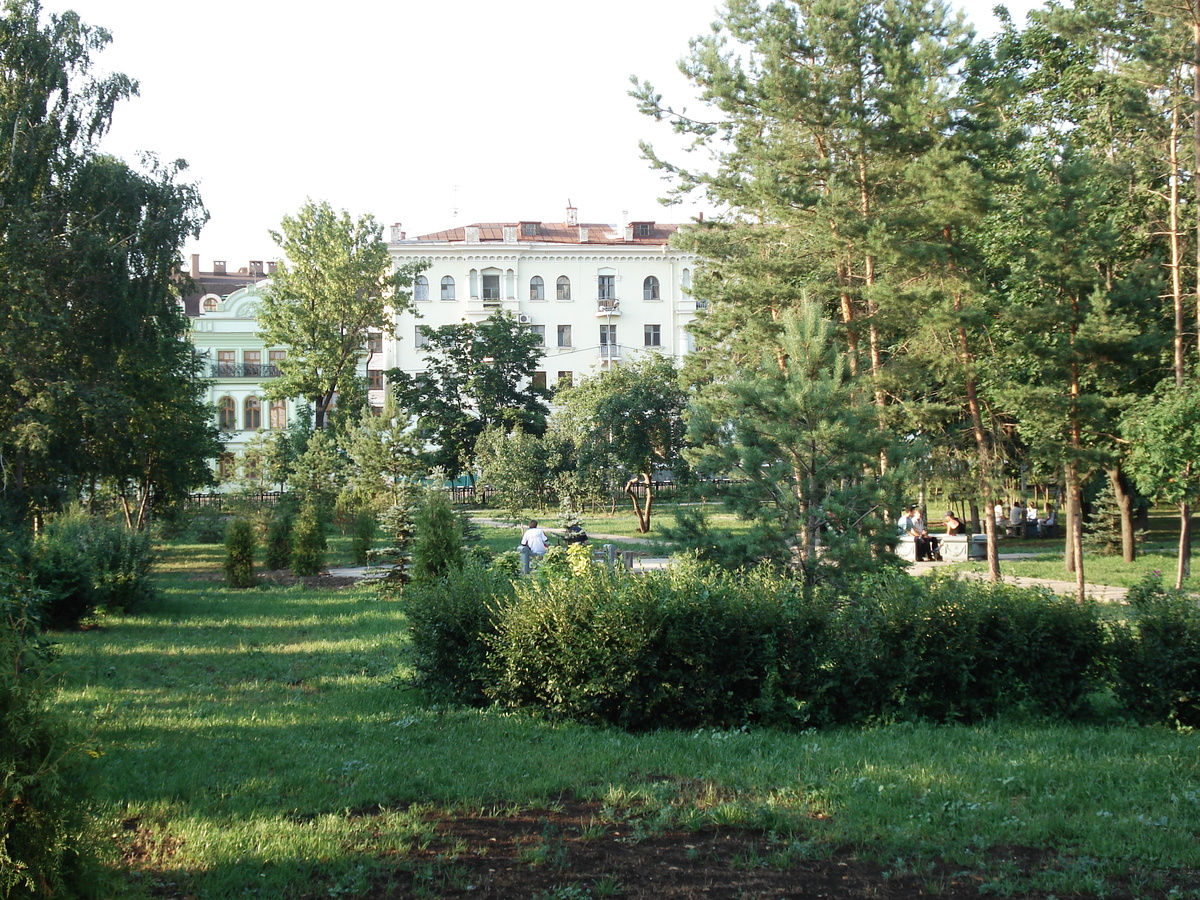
(606, 307)
(610, 352)
(247, 370)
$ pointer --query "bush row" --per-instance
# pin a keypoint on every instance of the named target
(691, 646)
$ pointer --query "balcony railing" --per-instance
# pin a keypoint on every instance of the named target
(246, 370)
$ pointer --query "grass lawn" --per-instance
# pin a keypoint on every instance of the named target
(263, 743)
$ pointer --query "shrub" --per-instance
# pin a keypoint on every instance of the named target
(279, 538)
(451, 622)
(1157, 656)
(679, 648)
(364, 536)
(308, 542)
(239, 553)
(437, 546)
(84, 564)
(40, 818)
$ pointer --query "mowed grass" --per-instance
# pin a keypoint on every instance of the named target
(264, 743)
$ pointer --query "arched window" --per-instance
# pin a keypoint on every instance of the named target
(227, 414)
(650, 288)
(253, 414)
(421, 288)
(564, 288)
(687, 278)
(447, 288)
(226, 466)
(278, 414)
(210, 304)
(537, 288)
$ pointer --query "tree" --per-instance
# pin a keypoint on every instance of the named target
(335, 287)
(384, 449)
(1163, 431)
(476, 375)
(630, 420)
(97, 386)
(800, 432)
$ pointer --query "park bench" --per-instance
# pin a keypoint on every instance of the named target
(953, 547)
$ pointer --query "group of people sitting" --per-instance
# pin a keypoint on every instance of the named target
(1026, 521)
(912, 522)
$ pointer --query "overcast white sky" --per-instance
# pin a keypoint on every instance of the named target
(433, 114)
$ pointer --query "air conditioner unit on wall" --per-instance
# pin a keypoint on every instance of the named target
(523, 319)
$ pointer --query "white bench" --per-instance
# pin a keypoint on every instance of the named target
(952, 547)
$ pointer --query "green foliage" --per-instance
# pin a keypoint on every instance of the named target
(681, 648)
(333, 290)
(477, 374)
(364, 536)
(41, 846)
(437, 546)
(451, 621)
(84, 564)
(279, 537)
(1157, 655)
(308, 542)
(693, 533)
(240, 543)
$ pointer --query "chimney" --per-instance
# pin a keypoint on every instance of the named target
(629, 232)
(218, 267)
(397, 233)
(572, 215)
(256, 268)
(510, 234)
(271, 267)
(472, 234)
(583, 236)
(195, 265)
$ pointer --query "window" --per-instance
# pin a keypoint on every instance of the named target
(641, 229)
(252, 359)
(227, 414)
(539, 380)
(564, 335)
(227, 467)
(608, 340)
(606, 287)
(226, 363)
(277, 417)
(529, 229)
(274, 358)
(491, 287)
(687, 278)
(374, 342)
(421, 288)
(250, 466)
(537, 288)
(253, 414)
(447, 288)
(650, 288)
(540, 331)
(563, 290)
(210, 304)
(420, 339)
(653, 335)
(566, 379)
(375, 379)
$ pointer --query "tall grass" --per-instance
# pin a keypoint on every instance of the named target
(264, 741)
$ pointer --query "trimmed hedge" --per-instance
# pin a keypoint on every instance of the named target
(694, 647)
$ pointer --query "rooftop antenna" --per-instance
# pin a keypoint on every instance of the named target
(454, 204)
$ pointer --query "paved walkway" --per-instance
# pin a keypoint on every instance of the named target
(1103, 592)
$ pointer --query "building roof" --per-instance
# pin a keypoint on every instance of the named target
(217, 282)
(650, 233)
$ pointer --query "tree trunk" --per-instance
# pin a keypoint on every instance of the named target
(1116, 477)
(642, 510)
(1184, 568)
(1075, 537)
(1176, 250)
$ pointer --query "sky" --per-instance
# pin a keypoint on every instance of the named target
(429, 114)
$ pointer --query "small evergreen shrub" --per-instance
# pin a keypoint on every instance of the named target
(1156, 657)
(41, 842)
(451, 623)
(240, 544)
(364, 536)
(437, 545)
(279, 538)
(207, 525)
(308, 542)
